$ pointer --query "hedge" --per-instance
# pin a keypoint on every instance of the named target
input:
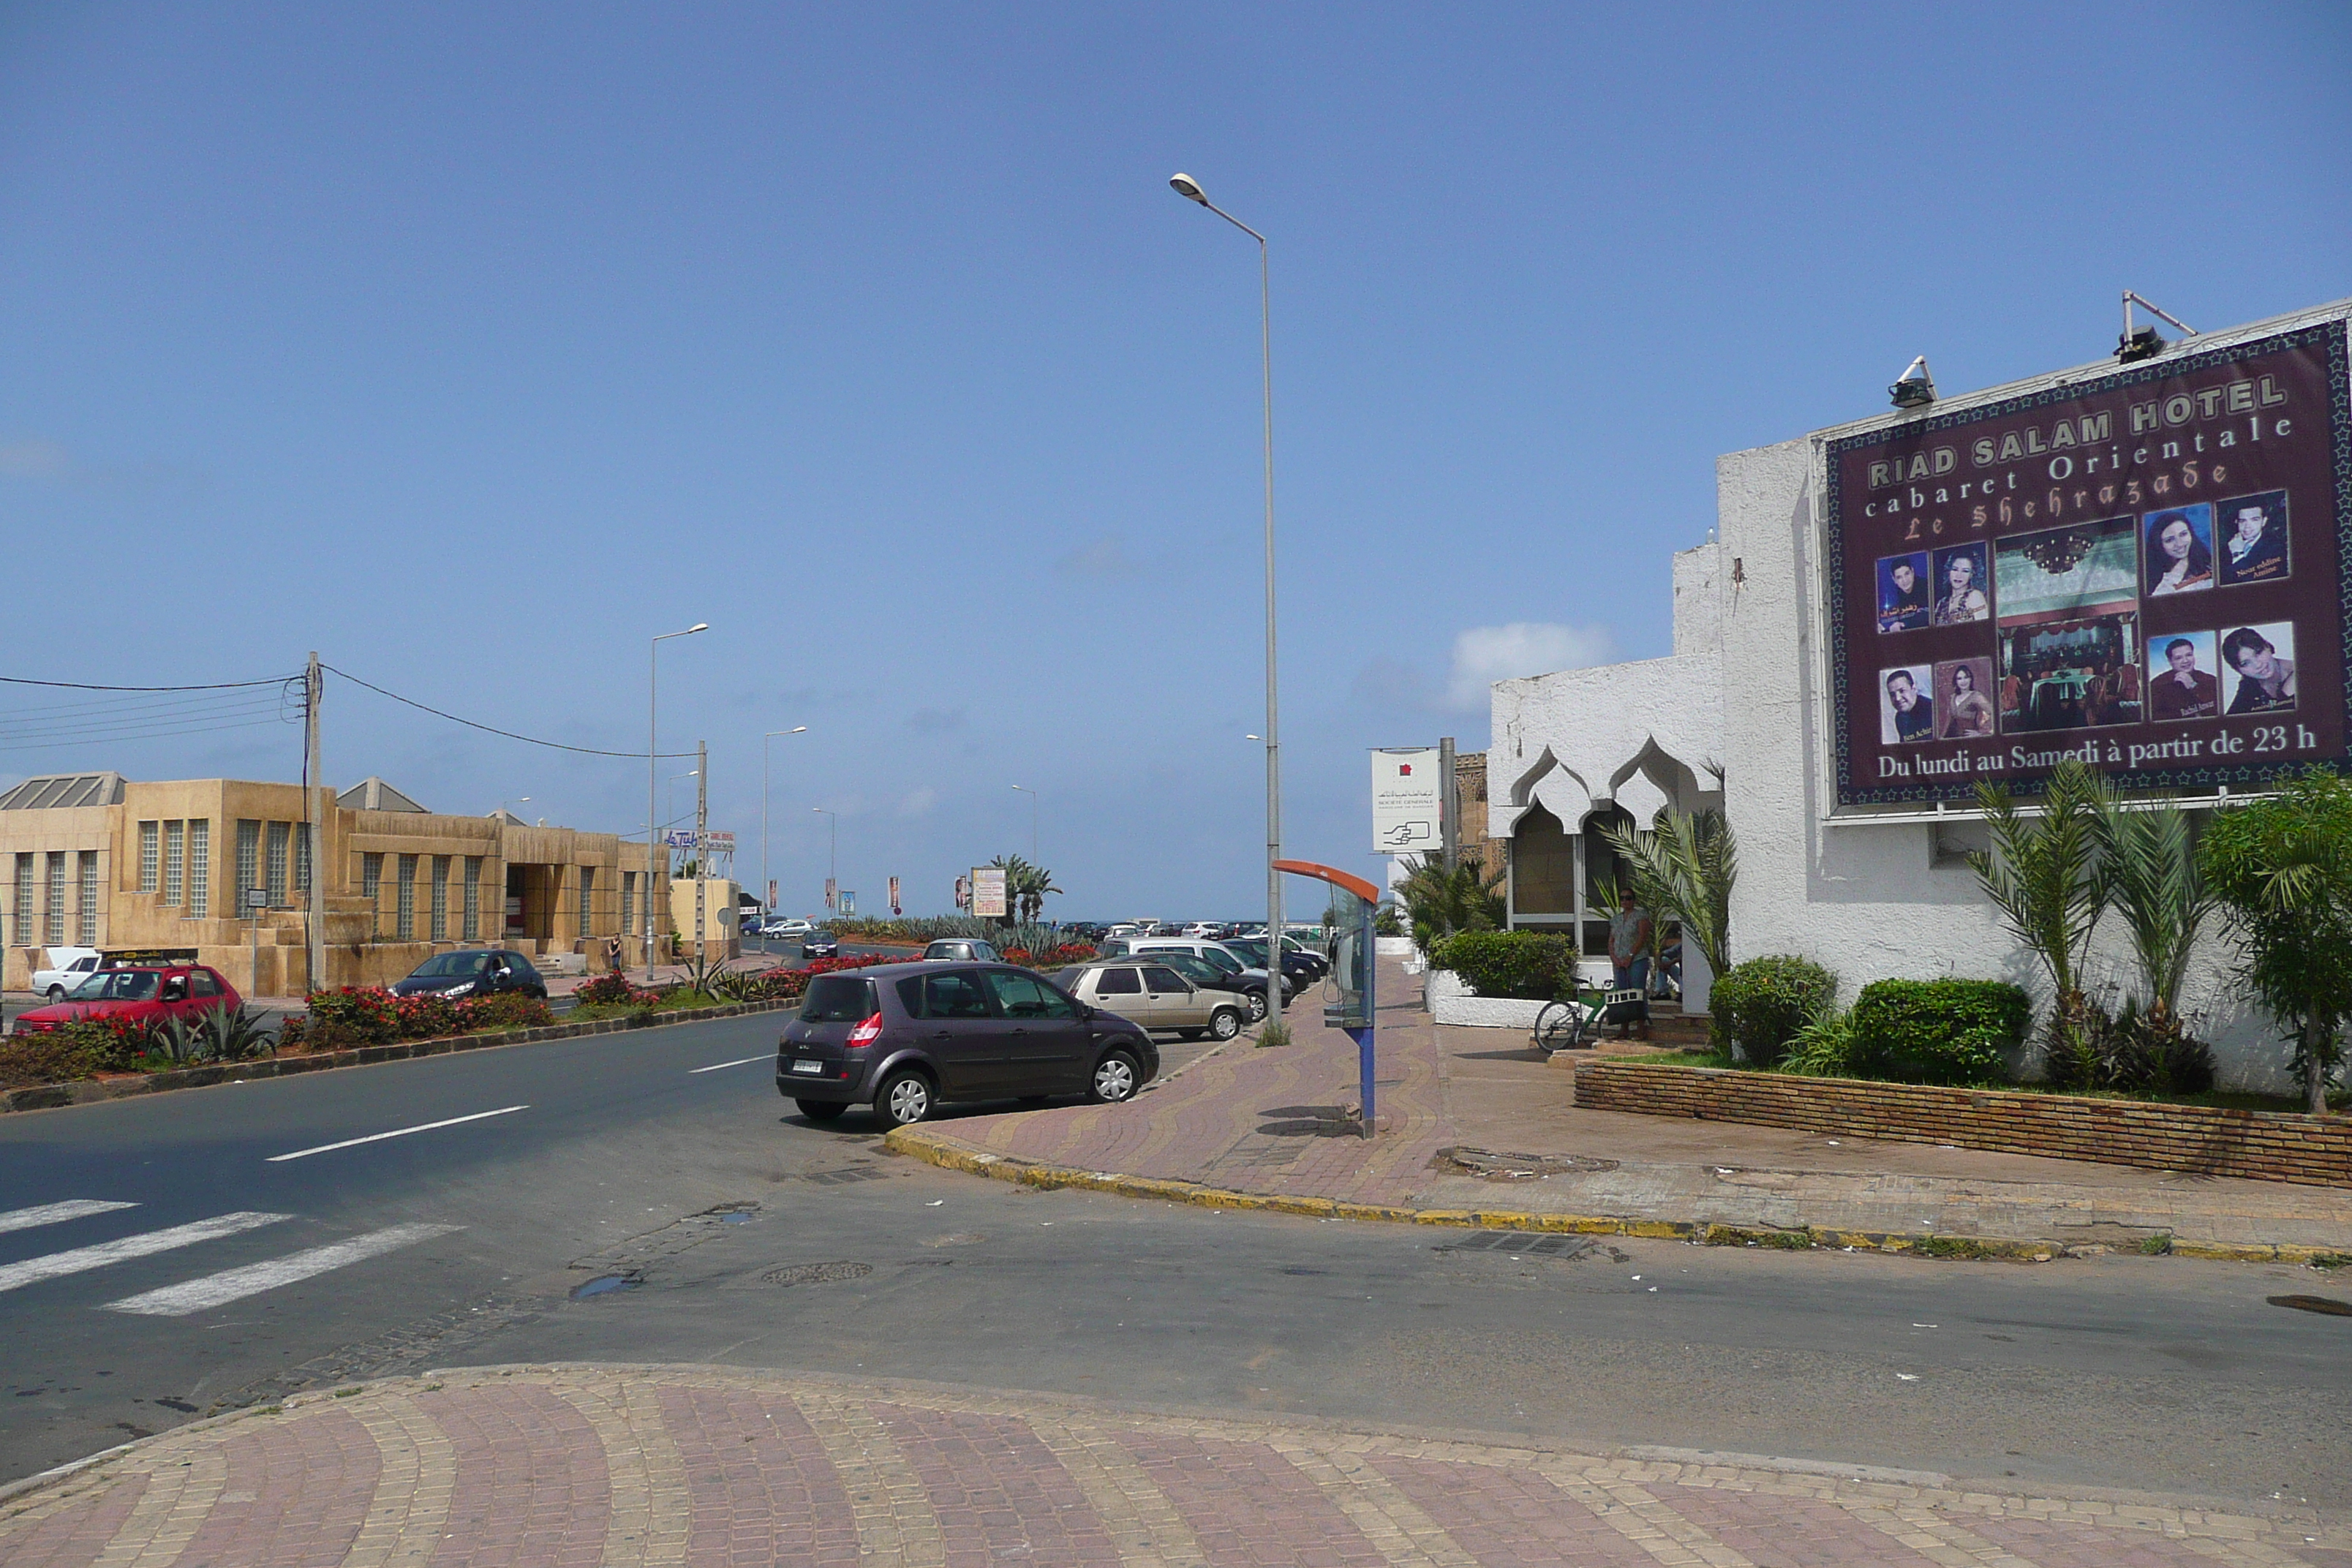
(1938, 1031)
(1760, 1005)
(1532, 966)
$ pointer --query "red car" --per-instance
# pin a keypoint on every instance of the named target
(149, 992)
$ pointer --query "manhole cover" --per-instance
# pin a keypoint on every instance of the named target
(2327, 1305)
(817, 1273)
(1487, 1165)
(836, 1178)
(1522, 1245)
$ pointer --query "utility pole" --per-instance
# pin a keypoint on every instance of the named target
(1448, 809)
(701, 855)
(314, 915)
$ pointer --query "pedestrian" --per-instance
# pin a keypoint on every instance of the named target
(1632, 936)
(613, 954)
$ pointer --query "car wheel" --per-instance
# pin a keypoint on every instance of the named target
(1257, 1006)
(820, 1109)
(56, 994)
(1115, 1078)
(904, 1098)
(1224, 1023)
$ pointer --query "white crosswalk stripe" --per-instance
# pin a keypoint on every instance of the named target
(57, 1265)
(53, 1214)
(235, 1284)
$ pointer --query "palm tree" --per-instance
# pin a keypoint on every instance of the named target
(1026, 887)
(1683, 872)
(2153, 881)
(2046, 876)
(1439, 903)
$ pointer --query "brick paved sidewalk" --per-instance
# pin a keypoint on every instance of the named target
(584, 1465)
(1281, 1125)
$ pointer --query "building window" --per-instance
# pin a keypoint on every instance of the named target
(200, 867)
(175, 847)
(150, 855)
(628, 903)
(440, 898)
(1543, 865)
(22, 936)
(302, 858)
(372, 890)
(281, 836)
(87, 935)
(587, 900)
(403, 914)
(473, 927)
(53, 927)
(249, 858)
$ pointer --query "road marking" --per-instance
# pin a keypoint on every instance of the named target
(235, 1284)
(395, 1133)
(51, 1213)
(737, 1062)
(33, 1271)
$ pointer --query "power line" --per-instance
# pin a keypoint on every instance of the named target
(84, 685)
(492, 728)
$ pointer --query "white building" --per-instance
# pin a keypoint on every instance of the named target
(1873, 886)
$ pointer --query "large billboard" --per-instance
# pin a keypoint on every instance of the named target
(2148, 570)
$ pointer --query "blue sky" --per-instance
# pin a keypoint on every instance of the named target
(472, 346)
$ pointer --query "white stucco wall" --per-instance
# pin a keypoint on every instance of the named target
(1746, 687)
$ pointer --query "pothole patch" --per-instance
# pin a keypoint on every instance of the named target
(1495, 1165)
(607, 1284)
(817, 1273)
(2326, 1305)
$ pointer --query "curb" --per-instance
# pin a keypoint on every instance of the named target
(93, 1091)
(936, 1150)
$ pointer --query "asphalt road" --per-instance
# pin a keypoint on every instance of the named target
(698, 1219)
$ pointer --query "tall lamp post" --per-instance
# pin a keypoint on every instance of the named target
(1189, 189)
(653, 746)
(1032, 794)
(832, 855)
(765, 883)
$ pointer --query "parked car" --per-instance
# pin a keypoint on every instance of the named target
(962, 949)
(1216, 971)
(1297, 968)
(1215, 952)
(149, 992)
(907, 1037)
(787, 926)
(473, 972)
(68, 967)
(1153, 994)
(818, 942)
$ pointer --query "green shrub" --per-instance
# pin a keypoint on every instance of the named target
(1532, 966)
(1760, 1005)
(507, 1010)
(1938, 1031)
(354, 1016)
(1824, 1048)
(50, 1055)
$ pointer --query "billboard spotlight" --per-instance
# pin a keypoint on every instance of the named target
(2144, 343)
(1915, 388)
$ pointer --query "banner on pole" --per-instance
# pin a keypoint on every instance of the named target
(987, 892)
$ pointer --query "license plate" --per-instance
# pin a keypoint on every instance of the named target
(808, 1066)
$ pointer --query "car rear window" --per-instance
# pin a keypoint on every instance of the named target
(1117, 983)
(839, 999)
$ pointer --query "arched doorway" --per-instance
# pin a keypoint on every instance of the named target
(1543, 870)
(1602, 870)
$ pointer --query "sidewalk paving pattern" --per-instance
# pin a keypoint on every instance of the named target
(565, 1465)
(1282, 1124)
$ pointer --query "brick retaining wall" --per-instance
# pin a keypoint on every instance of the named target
(2263, 1145)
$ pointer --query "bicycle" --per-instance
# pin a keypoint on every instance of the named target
(1573, 1024)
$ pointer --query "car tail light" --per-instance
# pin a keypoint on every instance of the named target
(867, 1032)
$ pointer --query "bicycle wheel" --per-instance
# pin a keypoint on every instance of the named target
(1558, 1026)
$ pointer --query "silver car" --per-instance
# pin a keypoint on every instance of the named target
(1155, 996)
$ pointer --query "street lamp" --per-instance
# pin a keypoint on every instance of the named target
(832, 855)
(519, 800)
(767, 885)
(1189, 189)
(1032, 794)
(653, 746)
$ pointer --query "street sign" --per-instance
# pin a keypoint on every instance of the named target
(719, 843)
(988, 892)
(1408, 798)
(257, 898)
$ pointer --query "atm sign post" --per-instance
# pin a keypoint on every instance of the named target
(1408, 801)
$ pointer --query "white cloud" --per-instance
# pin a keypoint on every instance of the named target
(1484, 655)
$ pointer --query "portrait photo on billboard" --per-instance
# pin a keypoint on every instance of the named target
(2254, 543)
(2070, 675)
(1903, 591)
(1960, 578)
(2183, 678)
(1906, 704)
(2067, 573)
(2178, 550)
(2258, 669)
(1964, 698)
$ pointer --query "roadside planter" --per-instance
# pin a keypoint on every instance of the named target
(2199, 1140)
(1451, 1001)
